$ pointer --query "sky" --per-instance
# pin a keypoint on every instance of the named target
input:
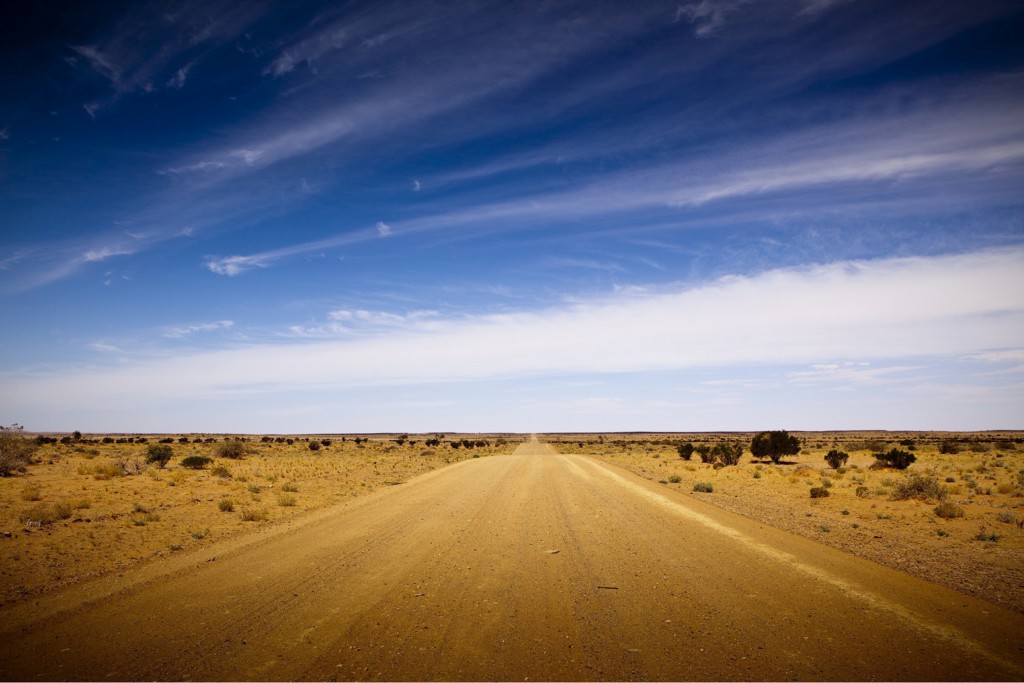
(417, 216)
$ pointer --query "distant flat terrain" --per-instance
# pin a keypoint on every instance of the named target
(533, 565)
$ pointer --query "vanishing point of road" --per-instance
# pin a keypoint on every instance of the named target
(534, 565)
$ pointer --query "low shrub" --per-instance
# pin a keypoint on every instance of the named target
(703, 487)
(42, 515)
(982, 535)
(314, 445)
(728, 453)
(949, 510)
(685, 450)
(896, 459)
(286, 500)
(226, 505)
(1007, 517)
(233, 449)
(675, 479)
(221, 471)
(916, 486)
(159, 454)
(819, 492)
(195, 462)
(949, 447)
(836, 459)
(254, 515)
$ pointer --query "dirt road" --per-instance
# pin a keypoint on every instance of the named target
(529, 566)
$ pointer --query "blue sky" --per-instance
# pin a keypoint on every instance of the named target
(489, 216)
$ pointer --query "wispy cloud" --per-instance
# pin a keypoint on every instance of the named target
(236, 265)
(104, 347)
(186, 330)
(45, 263)
(345, 323)
(131, 62)
(103, 253)
(708, 16)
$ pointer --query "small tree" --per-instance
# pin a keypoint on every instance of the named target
(314, 446)
(774, 445)
(836, 459)
(704, 451)
(685, 450)
(896, 459)
(15, 450)
(159, 454)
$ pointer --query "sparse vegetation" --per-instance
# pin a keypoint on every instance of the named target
(983, 535)
(226, 505)
(685, 450)
(703, 487)
(675, 479)
(819, 492)
(31, 492)
(15, 450)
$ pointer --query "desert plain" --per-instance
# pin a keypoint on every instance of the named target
(502, 556)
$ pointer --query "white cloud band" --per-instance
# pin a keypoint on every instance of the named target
(952, 306)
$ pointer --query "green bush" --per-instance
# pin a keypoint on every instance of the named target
(314, 445)
(703, 487)
(195, 462)
(773, 445)
(916, 486)
(159, 454)
(685, 450)
(728, 453)
(949, 447)
(234, 449)
(819, 492)
(836, 459)
(226, 505)
(15, 450)
(675, 479)
(896, 459)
